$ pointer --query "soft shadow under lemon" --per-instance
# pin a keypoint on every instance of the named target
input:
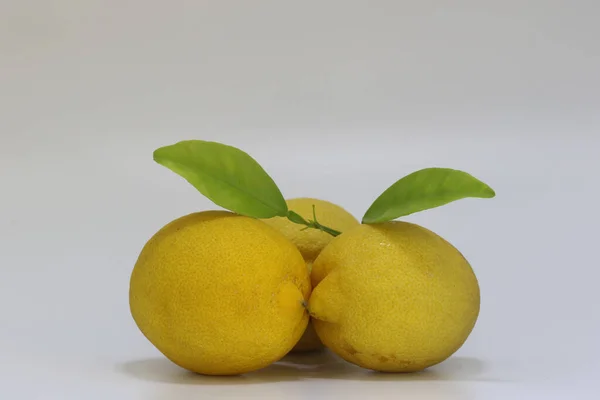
(302, 366)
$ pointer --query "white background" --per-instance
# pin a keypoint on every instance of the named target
(336, 99)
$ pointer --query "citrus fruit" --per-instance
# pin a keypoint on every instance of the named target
(310, 242)
(393, 297)
(219, 293)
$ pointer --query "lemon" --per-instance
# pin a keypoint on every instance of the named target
(220, 294)
(393, 297)
(310, 242)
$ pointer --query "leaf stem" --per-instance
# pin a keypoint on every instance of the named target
(311, 223)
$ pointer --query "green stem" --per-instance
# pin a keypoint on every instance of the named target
(311, 223)
(326, 229)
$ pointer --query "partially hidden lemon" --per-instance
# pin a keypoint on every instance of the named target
(393, 297)
(310, 242)
(220, 294)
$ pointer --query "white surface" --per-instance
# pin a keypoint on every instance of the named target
(356, 94)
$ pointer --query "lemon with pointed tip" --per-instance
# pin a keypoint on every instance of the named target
(393, 297)
(311, 242)
(220, 294)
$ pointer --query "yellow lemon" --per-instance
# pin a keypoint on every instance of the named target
(220, 294)
(310, 242)
(393, 297)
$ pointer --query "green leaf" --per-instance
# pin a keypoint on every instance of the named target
(425, 189)
(226, 175)
(296, 218)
